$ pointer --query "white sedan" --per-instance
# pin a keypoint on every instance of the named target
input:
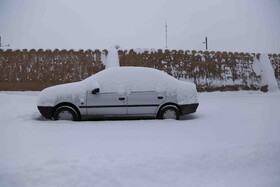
(121, 92)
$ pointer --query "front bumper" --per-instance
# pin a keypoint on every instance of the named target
(188, 109)
(46, 111)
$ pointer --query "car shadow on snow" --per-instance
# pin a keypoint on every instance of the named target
(182, 118)
(40, 118)
(189, 117)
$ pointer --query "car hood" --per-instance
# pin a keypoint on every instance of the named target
(70, 92)
(50, 95)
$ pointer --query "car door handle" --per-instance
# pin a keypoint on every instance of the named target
(121, 98)
(160, 97)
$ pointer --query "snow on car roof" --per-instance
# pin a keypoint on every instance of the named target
(131, 72)
(132, 79)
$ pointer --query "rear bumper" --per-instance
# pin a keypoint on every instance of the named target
(46, 111)
(188, 109)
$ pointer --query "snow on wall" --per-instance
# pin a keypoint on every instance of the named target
(268, 77)
(210, 71)
(275, 62)
(112, 59)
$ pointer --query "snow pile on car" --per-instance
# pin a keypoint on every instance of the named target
(122, 80)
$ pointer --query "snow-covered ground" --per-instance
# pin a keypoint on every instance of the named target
(232, 140)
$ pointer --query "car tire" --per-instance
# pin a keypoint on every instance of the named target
(169, 112)
(66, 113)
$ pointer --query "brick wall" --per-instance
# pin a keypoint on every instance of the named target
(37, 69)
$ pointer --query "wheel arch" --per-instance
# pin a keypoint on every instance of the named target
(69, 105)
(168, 104)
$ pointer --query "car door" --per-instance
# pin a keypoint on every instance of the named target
(106, 104)
(144, 103)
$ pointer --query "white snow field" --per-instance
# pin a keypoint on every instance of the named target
(232, 140)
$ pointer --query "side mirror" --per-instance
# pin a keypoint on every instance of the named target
(95, 91)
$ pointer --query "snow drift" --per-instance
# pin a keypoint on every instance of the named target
(232, 140)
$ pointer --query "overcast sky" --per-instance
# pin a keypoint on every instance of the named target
(230, 25)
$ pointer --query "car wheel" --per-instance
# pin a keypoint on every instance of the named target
(66, 113)
(169, 112)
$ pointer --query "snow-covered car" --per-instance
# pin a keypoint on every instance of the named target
(120, 92)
